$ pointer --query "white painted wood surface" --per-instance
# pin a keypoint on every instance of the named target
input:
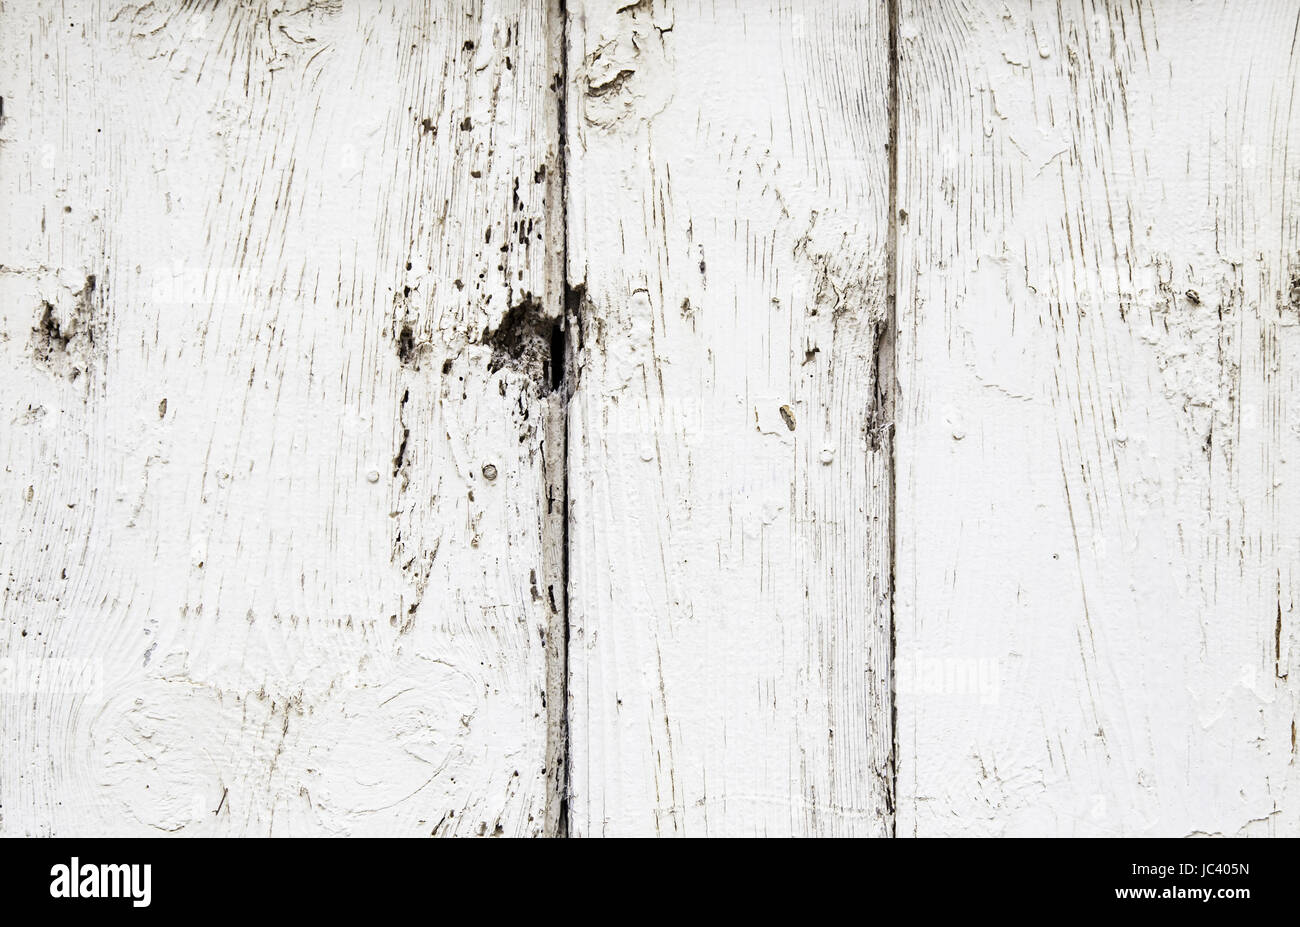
(270, 472)
(1098, 425)
(729, 502)
(305, 529)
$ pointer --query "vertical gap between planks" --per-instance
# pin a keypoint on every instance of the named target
(887, 365)
(563, 345)
(565, 390)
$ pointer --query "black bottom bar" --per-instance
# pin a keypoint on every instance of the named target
(348, 877)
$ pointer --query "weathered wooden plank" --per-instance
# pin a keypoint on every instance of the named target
(728, 478)
(1098, 430)
(276, 304)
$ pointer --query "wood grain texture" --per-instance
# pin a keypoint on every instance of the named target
(276, 299)
(728, 475)
(1098, 432)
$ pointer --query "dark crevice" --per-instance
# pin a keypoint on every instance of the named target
(561, 384)
(51, 331)
(524, 341)
(406, 344)
(886, 389)
(575, 299)
(64, 337)
(399, 459)
(556, 361)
